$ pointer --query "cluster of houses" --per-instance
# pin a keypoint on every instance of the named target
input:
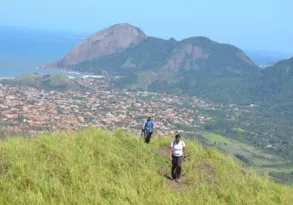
(32, 110)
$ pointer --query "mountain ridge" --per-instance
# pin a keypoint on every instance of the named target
(134, 37)
(194, 66)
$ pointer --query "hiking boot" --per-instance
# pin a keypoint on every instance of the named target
(178, 180)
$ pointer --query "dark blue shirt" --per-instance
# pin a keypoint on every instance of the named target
(148, 125)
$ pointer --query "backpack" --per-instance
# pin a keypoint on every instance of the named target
(174, 144)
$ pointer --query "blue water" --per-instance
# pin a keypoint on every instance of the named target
(21, 51)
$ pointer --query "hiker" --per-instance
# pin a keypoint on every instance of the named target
(177, 154)
(147, 129)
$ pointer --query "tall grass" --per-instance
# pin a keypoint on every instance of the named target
(98, 167)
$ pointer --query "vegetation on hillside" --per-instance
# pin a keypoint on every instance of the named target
(48, 82)
(266, 126)
(151, 54)
(193, 66)
(98, 167)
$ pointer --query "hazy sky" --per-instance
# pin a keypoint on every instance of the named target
(257, 24)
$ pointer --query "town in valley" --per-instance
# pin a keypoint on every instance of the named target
(33, 110)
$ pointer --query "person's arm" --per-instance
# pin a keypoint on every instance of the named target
(143, 127)
(170, 153)
(184, 151)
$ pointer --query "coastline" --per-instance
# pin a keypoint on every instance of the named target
(73, 73)
(6, 78)
(48, 71)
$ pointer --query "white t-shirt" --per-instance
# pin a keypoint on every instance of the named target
(177, 148)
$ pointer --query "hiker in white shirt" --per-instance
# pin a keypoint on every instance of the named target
(177, 154)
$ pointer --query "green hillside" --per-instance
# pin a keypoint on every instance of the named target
(277, 81)
(98, 167)
(151, 54)
(194, 66)
(48, 82)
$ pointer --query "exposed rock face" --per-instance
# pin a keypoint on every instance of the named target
(180, 54)
(110, 41)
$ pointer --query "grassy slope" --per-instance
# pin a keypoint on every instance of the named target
(58, 82)
(31, 79)
(97, 167)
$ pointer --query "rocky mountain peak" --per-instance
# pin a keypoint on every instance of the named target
(110, 41)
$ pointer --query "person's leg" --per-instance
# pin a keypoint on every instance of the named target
(179, 167)
(148, 138)
(173, 170)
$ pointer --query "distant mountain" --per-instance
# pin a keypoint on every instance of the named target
(48, 82)
(194, 66)
(105, 43)
(125, 46)
(277, 80)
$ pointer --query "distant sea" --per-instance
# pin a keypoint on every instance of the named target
(23, 50)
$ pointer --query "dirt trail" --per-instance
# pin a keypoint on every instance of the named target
(179, 187)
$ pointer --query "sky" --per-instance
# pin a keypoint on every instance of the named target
(249, 24)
